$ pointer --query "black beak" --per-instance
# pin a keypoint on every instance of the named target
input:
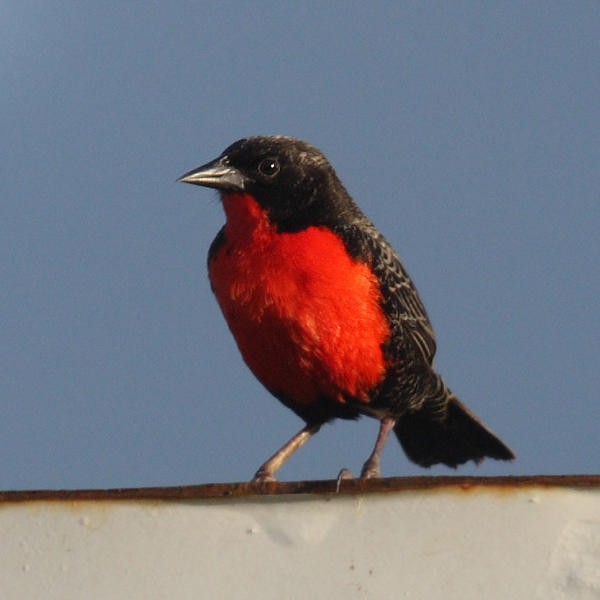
(218, 174)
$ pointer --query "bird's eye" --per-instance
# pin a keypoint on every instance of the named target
(269, 167)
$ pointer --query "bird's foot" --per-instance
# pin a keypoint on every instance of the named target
(370, 470)
(263, 477)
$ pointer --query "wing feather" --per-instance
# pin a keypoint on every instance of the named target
(408, 318)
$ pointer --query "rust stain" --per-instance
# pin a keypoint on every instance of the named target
(322, 487)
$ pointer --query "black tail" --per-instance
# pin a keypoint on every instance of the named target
(452, 437)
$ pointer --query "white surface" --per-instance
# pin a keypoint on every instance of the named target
(479, 544)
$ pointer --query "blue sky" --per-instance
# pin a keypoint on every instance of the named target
(469, 132)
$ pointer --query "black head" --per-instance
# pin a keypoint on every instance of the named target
(290, 179)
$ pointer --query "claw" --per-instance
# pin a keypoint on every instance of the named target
(370, 470)
(263, 477)
(343, 474)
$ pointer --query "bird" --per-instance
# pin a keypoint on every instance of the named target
(323, 311)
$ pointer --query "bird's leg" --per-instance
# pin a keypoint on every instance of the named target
(267, 471)
(371, 467)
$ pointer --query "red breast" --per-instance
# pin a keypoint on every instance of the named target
(305, 315)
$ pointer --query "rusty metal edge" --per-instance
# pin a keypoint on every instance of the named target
(322, 487)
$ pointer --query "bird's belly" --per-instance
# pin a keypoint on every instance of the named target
(306, 316)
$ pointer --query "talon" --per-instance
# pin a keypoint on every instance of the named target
(343, 474)
(370, 472)
(263, 477)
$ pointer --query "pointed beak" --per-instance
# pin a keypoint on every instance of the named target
(218, 174)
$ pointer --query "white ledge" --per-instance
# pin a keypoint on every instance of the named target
(527, 537)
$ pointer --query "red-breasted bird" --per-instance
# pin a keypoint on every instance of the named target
(323, 311)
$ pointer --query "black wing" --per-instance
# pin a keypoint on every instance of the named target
(408, 319)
